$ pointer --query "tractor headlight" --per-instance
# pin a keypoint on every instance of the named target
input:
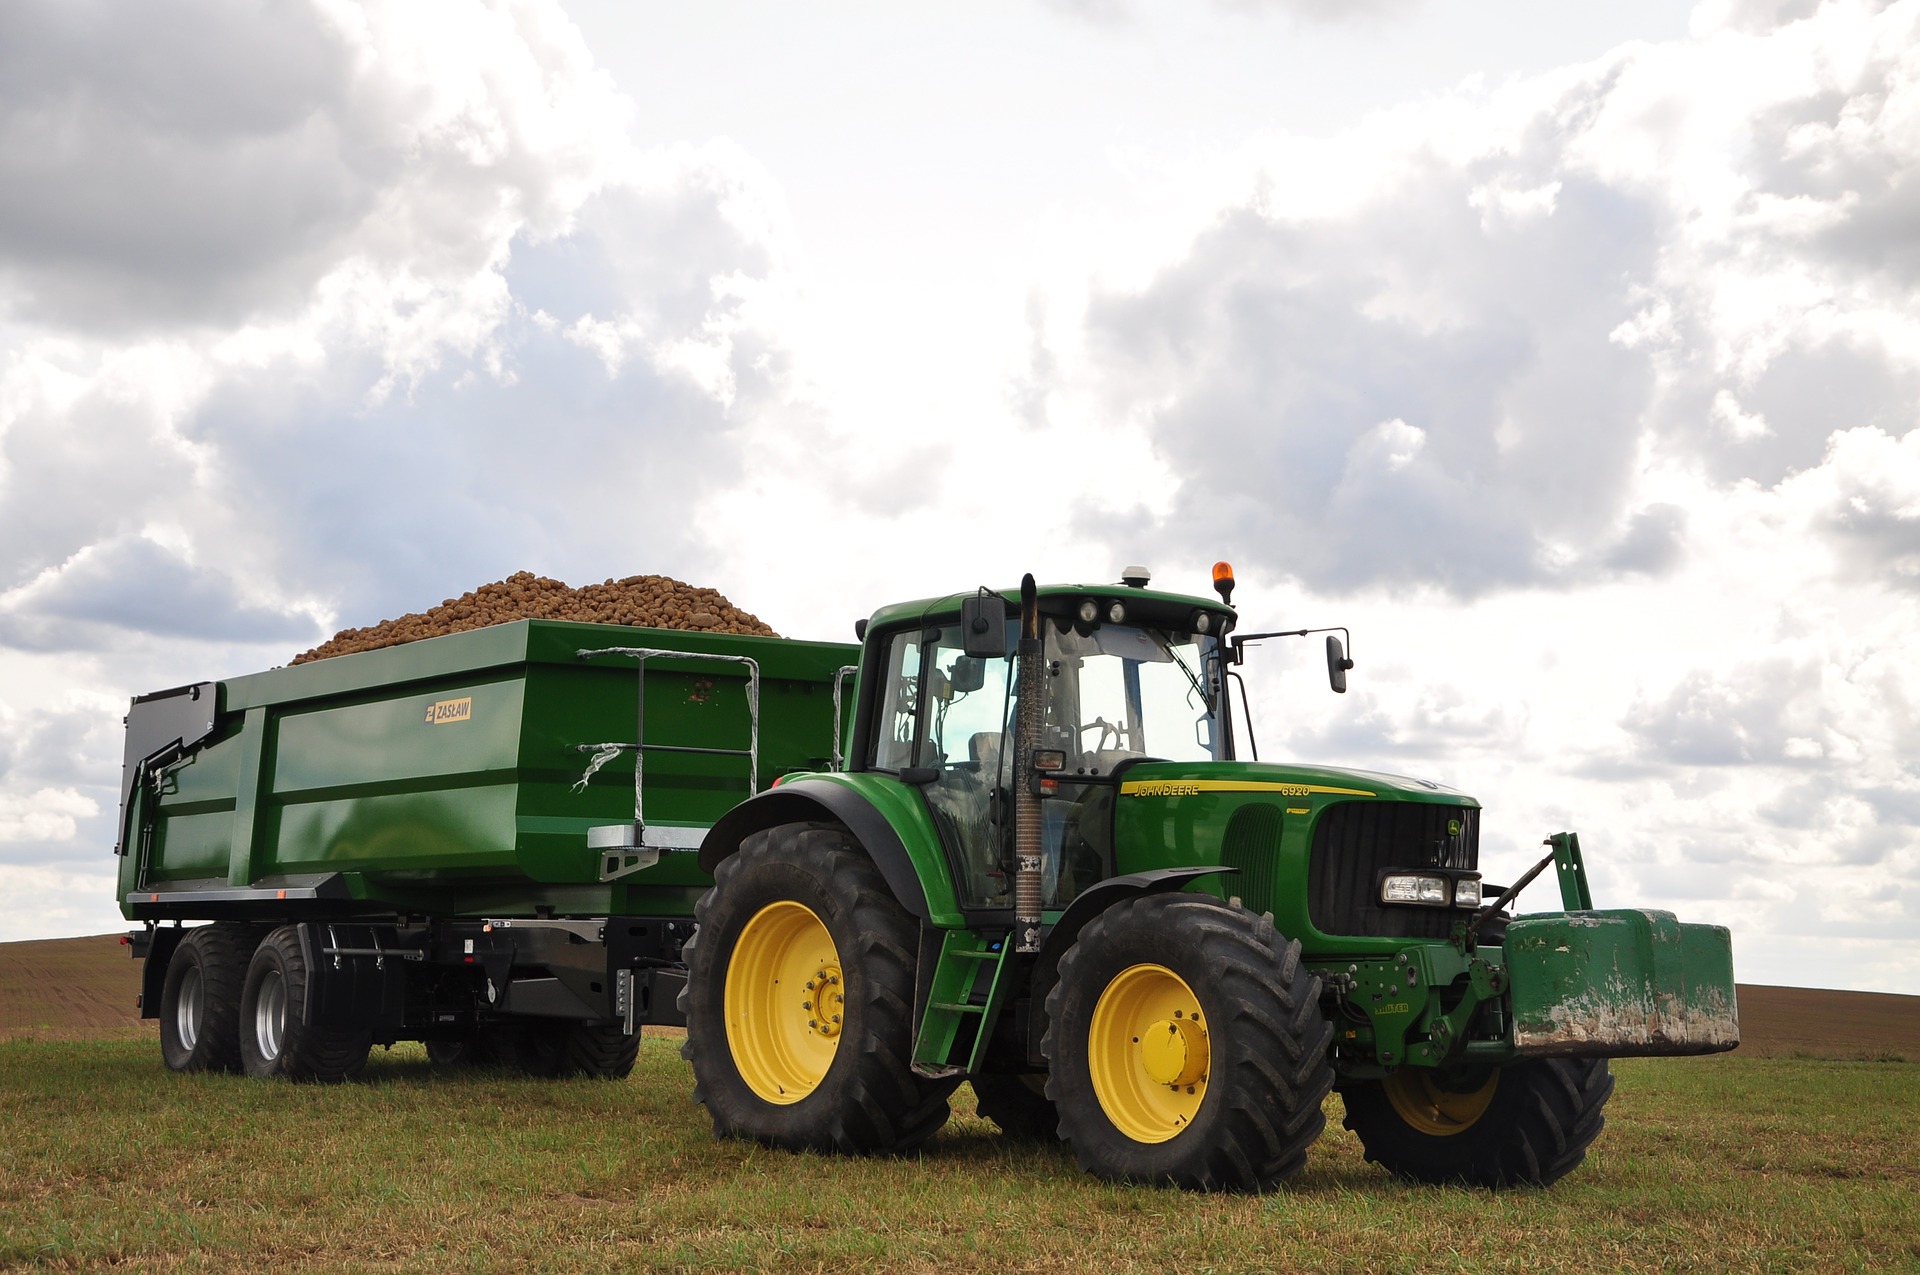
(1414, 887)
(1466, 892)
(1089, 611)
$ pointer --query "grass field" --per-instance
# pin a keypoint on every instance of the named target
(1734, 1163)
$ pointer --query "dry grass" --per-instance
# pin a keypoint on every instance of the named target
(1737, 1163)
(106, 1159)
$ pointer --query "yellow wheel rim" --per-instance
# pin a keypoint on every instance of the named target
(1148, 1053)
(1433, 1110)
(785, 1001)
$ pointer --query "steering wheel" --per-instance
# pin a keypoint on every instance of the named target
(1105, 728)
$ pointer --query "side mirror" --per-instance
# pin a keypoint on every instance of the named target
(983, 626)
(967, 674)
(1337, 665)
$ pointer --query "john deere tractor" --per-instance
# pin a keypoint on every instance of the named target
(1049, 869)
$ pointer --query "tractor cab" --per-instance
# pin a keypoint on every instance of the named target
(1125, 676)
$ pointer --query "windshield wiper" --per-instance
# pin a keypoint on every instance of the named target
(1160, 640)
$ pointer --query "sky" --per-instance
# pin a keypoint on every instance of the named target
(1567, 354)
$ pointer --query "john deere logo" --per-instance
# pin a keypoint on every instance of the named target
(1453, 827)
(441, 712)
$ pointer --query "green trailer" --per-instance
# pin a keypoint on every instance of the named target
(1020, 839)
(452, 835)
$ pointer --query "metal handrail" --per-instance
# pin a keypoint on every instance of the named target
(639, 748)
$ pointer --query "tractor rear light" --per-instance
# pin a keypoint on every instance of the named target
(1411, 887)
(1049, 759)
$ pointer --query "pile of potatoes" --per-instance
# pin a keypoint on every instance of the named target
(654, 602)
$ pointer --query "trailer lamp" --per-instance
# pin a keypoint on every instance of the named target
(1409, 887)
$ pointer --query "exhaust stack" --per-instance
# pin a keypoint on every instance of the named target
(1028, 720)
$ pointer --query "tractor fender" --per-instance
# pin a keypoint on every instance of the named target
(1091, 902)
(815, 801)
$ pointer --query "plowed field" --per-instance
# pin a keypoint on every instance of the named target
(76, 988)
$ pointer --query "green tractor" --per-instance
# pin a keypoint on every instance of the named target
(1047, 870)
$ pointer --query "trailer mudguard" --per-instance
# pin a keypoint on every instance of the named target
(817, 800)
(1620, 983)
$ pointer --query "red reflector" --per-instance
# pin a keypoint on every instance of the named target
(125, 941)
(283, 894)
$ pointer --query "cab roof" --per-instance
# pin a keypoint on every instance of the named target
(949, 604)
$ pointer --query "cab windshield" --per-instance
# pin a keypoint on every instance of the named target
(1112, 693)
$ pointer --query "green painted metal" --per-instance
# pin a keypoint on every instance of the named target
(1408, 1021)
(1620, 982)
(902, 806)
(1575, 896)
(947, 608)
(967, 960)
(1178, 814)
(444, 776)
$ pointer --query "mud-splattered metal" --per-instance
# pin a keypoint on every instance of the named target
(1620, 983)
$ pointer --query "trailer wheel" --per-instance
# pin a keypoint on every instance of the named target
(555, 1049)
(274, 1039)
(1526, 1124)
(200, 1000)
(1187, 1046)
(1018, 1104)
(482, 1047)
(799, 1000)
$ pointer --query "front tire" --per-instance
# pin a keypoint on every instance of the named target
(1526, 1124)
(1187, 1047)
(200, 999)
(274, 1039)
(799, 1000)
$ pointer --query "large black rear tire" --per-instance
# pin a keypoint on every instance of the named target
(1526, 1124)
(274, 1039)
(1187, 1046)
(1018, 1104)
(200, 999)
(799, 1000)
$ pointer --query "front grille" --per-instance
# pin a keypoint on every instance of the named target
(1356, 840)
(1252, 844)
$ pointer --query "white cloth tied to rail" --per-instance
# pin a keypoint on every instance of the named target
(603, 753)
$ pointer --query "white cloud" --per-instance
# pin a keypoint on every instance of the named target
(1602, 383)
(1585, 397)
(45, 815)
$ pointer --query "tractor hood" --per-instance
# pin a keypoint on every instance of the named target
(1283, 779)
